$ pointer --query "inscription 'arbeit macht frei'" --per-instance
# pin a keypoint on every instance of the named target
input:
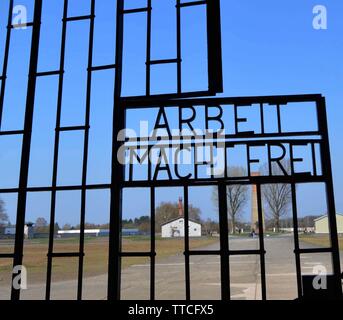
(179, 150)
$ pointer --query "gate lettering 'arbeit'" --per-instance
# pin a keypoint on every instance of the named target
(156, 160)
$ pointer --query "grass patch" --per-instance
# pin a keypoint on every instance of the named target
(96, 255)
(320, 240)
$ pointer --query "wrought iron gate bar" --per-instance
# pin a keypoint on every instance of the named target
(163, 61)
(186, 244)
(296, 238)
(65, 254)
(104, 67)
(26, 143)
(11, 133)
(225, 143)
(213, 47)
(191, 4)
(117, 172)
(122, 175)
(213, 182)
(330, 198)
(49, 73)
(261, 242)
(137, 254)
(150, 102)
(56, 152)
(73, 128)
(22, 25)
(224, 243)
(85, 148)
(5, 61)
(152, 243)
(78, 18)
(128, 11)
(314, 250)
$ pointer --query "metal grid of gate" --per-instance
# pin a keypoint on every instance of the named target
(118, 178)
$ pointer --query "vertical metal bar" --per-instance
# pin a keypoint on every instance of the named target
(214, 46)
(261, 239)
(186, 239)
(178, 46)
(278, 113)
(56, 149)
(5, 63)
(296, 238)
(314, 164)
(327, 172)
(117, 174)
(148, 50)
(262, 117)
(224, 242)
(26, 146)
(85, 151)
(153, 244)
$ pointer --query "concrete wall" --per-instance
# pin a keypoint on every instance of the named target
(322, 225)
(176, 229)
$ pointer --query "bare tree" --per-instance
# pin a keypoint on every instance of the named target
(3, 215)
(277, 196)
(237, 196)
(41, 225)
(41, 222)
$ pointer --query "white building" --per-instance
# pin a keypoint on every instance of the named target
(175, 228)
(9, 231)
(89, 232)
(322, 224)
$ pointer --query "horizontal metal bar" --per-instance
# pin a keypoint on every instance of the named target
(104, 67)
(246, 252)
(59, 188)
(11, 132)
(49, 73)
(128, 11)
(313, 250)
(77, 18)
(73, 128)
(214, 181)
(134, 102)
(3, 77)
(228, 140)
(202, 252)
(137, 254)
(21, 25)
(218, 252)
(190, 4)
(159, 100)
(65, 254)
(6, 255)
(235, 136)
(163, 61)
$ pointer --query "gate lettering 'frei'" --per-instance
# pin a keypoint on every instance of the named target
(197, 146)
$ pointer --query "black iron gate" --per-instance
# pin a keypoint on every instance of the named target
(122, 175)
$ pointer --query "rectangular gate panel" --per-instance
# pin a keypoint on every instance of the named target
(158, 140)
(165, 129)
(159, 43)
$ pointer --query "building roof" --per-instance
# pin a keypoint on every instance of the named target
(76, 231)
(169, 221)
(325, 216)
(130, 230)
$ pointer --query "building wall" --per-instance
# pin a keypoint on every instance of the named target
(176, 229)
(322, 225)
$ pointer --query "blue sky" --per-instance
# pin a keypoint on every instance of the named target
(269, 48)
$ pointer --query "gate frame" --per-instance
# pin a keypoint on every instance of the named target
(121, 105)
